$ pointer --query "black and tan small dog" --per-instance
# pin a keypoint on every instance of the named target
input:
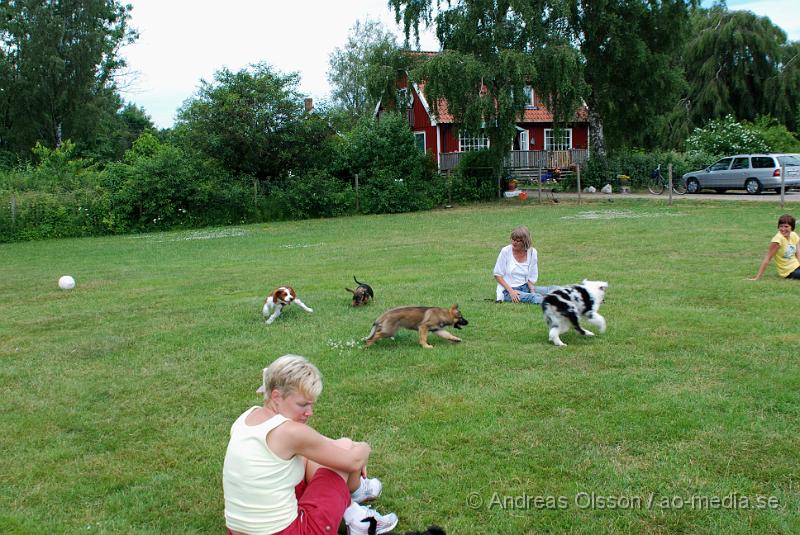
(362, 294)
(422, 319)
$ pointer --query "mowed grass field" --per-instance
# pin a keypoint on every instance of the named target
(118, 396)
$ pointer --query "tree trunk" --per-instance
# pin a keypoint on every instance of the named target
(598, 143)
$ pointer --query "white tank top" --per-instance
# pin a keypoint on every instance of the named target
(258, 485)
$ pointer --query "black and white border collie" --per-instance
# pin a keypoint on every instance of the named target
(563, 308)
(279, 298)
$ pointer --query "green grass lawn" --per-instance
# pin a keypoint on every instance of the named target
(117, 397)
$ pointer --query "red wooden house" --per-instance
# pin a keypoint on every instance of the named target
(537, 143)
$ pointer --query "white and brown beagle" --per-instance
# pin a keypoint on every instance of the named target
(279, 298)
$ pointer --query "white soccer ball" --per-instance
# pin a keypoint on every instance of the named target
(66, 282)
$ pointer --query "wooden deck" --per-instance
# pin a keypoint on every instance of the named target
(526, 162)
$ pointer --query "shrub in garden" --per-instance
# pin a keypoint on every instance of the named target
(394, 176)
(59, 196)
(159, 186)
(474, 178)
(726, 137)
(317, 194)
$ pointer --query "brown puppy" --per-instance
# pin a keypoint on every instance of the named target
(422, 319)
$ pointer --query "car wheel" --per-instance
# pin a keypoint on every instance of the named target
(753, 186)
(692, 185)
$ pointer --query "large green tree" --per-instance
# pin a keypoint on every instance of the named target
(631, 52)
(349, 67)
(252, 121)
(492, 49)
(58, 60)
(733, 64)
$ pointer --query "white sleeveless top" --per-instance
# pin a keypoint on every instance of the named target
(258, 485)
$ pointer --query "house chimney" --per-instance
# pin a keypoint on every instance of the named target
(308, 103)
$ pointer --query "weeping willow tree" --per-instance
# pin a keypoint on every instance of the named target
(733, 65)
(492, 49)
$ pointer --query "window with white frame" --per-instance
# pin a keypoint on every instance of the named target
(557, 139)
(419, 140)
(530, 96)
(468, 142)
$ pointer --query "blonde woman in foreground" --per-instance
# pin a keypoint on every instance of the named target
(282, 477)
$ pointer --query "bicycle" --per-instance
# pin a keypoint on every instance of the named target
(658, 183)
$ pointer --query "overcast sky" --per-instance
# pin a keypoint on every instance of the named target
(183, 41)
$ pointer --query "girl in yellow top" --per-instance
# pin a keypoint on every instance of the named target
(784, 249)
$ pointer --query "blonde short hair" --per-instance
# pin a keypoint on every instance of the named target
(522, 233)
(289, 374)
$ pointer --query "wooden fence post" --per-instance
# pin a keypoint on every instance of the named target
(450, 188)
(669, 179)
(357, 203)
(540, 181)
(13, 210)
(783, 184)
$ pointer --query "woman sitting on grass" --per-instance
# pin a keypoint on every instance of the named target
(783, 248)
(282, 477)
(517, 270)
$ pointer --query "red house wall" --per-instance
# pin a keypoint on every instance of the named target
(422, 123)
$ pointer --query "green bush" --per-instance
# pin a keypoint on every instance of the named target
(159, 186)
(726, 137)
(474, 178)
(34, 215)
(776, 135)
(317, 194)
(59, 196)
(394, 176)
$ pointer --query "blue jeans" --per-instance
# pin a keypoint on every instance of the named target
(531, 298)
(794, 274)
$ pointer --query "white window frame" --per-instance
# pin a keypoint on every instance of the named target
(565, 143)
(424, 141)
(468, 142)
(524, 143)
(531, 95)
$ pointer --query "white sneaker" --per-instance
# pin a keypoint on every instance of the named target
(360, 519)
(368, 490)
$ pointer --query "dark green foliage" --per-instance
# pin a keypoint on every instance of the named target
(776, 135)
(393, 175)
(632, 65)
(59, 196)
(57, 63)
(247, 120)
(733, 65)
(159, 186)
(474, 178)
(316, 194)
